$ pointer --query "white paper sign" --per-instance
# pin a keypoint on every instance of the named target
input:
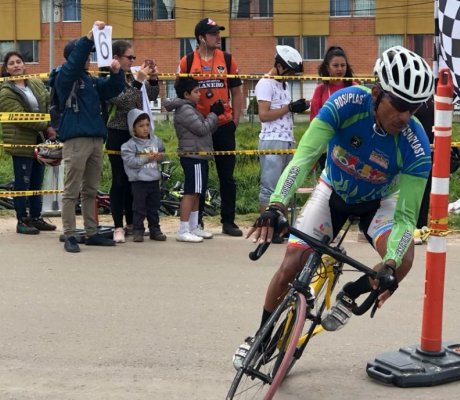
(103, 44)
(145, 98)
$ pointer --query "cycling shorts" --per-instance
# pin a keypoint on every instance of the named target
(325, 213)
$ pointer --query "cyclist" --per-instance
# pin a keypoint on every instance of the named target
(378, 161)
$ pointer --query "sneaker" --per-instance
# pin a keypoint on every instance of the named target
(231, 229)
(119, 235)
(99, 240)
(158, 236)
(41, 224)
(241, 353)
(202, 233)
(138, 238)
(340, 313)
(71, 245)
(188, 237)
(26, 229)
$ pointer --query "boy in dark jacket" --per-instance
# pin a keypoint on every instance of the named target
(141, 155)
(82, 130)
(194, 134)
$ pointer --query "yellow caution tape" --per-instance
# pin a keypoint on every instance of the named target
(41, 75)
(6, 117)
(23, 193)
(216, 152)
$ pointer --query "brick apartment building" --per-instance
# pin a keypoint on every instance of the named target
(163, 30)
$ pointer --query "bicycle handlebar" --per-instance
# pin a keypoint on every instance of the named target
(325, 248)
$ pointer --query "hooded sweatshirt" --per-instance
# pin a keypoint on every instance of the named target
(194, 132)
(137, 167)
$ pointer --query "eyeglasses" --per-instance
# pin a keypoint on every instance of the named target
(401, 105)
(130, 57)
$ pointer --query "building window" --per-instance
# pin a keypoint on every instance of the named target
(71, 10)
(314, 47)
(341, 8)
(364, 8)
(143, 10)
(187, 45)
(421, 44)
(27, 48)
(148, 10)
(292, 41)
(387, 41)
(348, 8)
(248, 8)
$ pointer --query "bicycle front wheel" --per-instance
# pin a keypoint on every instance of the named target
(272, 352)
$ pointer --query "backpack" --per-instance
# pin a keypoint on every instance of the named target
(227, 56)
(55, 109)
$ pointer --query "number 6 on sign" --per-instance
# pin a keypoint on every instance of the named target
(103, 43)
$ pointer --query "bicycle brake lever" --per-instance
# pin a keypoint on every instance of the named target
(375, 307)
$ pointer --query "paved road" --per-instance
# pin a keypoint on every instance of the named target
(161, 320)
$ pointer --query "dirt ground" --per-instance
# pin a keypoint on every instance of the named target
(160, 321)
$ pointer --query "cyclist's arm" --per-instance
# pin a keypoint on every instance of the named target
(405, 217)
(311, 146)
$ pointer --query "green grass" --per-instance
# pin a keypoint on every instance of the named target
(247, 167)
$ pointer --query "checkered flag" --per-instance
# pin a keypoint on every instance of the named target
(447, 40)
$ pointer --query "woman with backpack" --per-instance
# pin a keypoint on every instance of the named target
(25, 95)
(118, 108)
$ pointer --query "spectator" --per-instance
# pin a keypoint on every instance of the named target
(275, 113)
(194, 133)
(208, 58)
(141, 155)
(82, 130)
(25, 95)
(118, 132)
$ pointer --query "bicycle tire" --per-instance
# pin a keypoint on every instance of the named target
(323, 286)
(253, 380)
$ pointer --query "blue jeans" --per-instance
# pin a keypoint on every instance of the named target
(28, 175)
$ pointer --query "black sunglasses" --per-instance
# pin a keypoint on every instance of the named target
(130, 57)
(401, 105)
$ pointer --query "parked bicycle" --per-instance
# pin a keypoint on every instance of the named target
(7, 203)
(171, 196)
(280, 342)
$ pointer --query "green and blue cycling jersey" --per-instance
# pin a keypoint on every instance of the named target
(363, 163)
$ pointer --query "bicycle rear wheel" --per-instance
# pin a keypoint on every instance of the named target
(272, 352)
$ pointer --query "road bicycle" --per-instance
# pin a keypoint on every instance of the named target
(279, 343)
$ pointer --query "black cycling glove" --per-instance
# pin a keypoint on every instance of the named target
(299, 106)
(274, 217)
(217, 107)
(387, 278)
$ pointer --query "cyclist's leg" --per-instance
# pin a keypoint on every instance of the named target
(315, 220)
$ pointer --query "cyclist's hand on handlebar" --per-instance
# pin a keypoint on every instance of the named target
(386, 282)
(270, 221)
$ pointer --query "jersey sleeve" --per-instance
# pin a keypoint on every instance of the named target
(405, 217)
(311, 146)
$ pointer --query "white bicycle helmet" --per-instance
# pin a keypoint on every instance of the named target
(289, 58)
(405, 74)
